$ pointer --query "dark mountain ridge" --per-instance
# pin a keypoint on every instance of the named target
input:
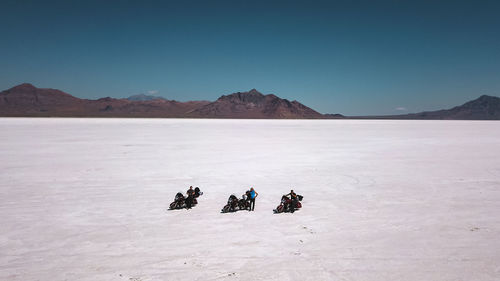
(253, 104)
(27, 100)
(483, 108)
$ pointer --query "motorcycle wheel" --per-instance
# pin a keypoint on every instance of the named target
(226, 209)
(279, 209)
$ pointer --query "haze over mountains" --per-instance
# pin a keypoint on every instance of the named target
(30, 101)
(144, 97)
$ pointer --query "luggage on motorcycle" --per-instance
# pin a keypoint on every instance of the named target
(197, 192)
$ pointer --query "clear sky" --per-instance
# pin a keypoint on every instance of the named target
(349, 57)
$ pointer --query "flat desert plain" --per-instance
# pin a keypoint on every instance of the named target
(87, 199)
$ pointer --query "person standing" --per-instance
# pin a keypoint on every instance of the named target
(253, 195)
(295, 201)
(190, 196)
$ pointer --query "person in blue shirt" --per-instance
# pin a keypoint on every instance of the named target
(253, 195)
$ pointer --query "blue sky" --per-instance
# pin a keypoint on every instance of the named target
(349, 57)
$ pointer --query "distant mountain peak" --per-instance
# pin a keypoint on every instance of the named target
(486, 98)
(254, 91)
(483, 108)
(144, 97)
(29, 89)
(253, 104)
(26, 85)
(250, 92)
(23, 87)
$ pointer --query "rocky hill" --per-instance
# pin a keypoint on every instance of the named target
(253, 104)
(483, 108)
(28, 100)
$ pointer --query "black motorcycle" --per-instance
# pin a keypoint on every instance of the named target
(287, 204)
(244, 203)
(232, 204)
(179, 202)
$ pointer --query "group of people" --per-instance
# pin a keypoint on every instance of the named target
(289, 202)
(187, 201)
(247, 202)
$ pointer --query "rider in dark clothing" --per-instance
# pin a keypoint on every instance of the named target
(190, 196)
(295, 200)
(190, 191)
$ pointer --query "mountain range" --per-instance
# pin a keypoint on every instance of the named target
(483, 108)
(26, 100)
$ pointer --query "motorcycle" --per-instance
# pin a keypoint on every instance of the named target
(232, 204)
(179, 202)
(288, 205)
(244, 203)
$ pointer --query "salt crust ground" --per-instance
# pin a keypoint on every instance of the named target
(86, 199)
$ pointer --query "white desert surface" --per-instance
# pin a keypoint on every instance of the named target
(86, 199)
